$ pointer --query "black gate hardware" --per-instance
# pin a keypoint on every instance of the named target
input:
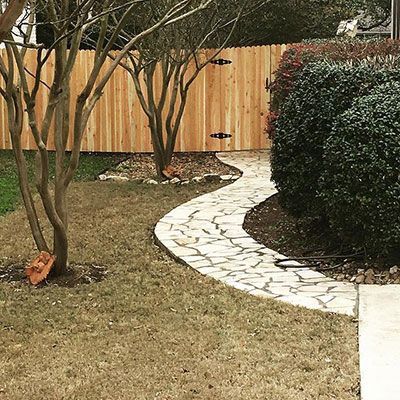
(221, 62)
(221, 135)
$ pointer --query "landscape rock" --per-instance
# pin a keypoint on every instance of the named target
(211, 177)
(102, 178)
(385, 275)
(117, 178)
(198, 179)
(226, 178)
(175, 181)
(360, 271)
(370, 277)
(151, 182)
(360, 279)
(369, 281)
(394, 270)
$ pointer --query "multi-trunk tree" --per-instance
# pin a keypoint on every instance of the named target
(71, 22)
(177, 54)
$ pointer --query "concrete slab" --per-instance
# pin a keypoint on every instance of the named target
(379, 314)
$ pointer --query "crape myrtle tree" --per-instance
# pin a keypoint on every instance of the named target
(70, 22)
(176, 52)
(9, 16)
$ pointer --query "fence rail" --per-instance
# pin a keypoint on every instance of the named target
(227, 98)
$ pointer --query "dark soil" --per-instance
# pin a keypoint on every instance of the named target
(76, 275)
(271, 225)
(189, 165)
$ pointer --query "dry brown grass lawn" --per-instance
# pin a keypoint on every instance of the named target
(154, 329)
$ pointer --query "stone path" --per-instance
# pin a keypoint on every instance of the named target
(379, 333)
(206, 234)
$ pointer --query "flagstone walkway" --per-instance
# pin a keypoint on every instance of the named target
(206, 234)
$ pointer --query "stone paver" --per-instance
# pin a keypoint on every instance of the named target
(206, 233)
(379, 333)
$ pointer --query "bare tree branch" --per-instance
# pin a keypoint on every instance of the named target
(10, 16)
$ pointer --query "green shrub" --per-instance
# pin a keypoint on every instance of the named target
(323, 91)
(298, 56)
(360, 185)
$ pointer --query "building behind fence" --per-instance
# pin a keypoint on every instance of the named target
(230, 98)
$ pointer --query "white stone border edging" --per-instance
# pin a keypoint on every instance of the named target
(207, 234)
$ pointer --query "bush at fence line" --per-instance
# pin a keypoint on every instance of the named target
(323, 91)
(298, 56)
(360, 185)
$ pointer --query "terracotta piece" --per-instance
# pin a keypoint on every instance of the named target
(39, 268)
(171, 172)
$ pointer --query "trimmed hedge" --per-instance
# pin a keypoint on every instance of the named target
(323, 91)
(298, 56)
(360, 185)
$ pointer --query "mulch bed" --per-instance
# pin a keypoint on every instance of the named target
(269, 224)
(190, 165)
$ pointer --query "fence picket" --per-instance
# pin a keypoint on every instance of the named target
(229, 98)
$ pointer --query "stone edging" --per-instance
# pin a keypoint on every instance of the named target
(207, 234)
(175, 181)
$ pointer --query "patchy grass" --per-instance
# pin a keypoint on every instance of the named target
(91, 165)
(155, 329)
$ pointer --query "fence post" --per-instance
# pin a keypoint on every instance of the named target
(395, 19)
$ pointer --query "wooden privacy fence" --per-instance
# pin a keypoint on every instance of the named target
(229, 98)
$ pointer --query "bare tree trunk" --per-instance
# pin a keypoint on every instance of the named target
(180, 60)
(27, 197)
(62, 126)
(10, 16)
(69, 22)
(156, 131)
(61, 253)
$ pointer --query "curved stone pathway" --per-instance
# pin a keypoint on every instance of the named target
(206, 234)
